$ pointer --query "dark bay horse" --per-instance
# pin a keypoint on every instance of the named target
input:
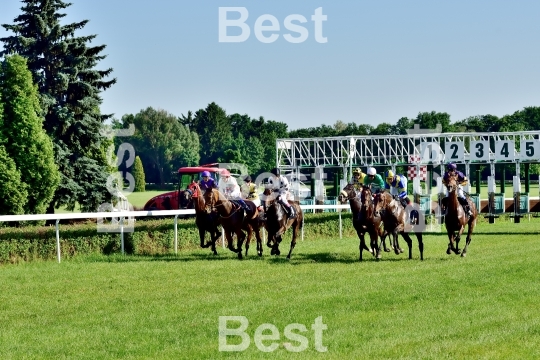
(456, 219)
(395, 219)
(206, 222)
(364, 219)
(233, 220)
(277, 222)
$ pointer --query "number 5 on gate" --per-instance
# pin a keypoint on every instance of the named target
(529, 150)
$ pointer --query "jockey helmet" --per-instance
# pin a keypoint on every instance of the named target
(389, 174)
(247, 178)
(357, 171)
(225, 172)
(371, 171)
(276, 171)
(451, 166)
(206, 173)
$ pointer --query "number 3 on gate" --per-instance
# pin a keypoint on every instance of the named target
(529, 150)
(479, 150)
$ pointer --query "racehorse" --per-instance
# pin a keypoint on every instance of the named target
(456, 219)
(277, 222)
(233, 220)
(206, 222)
(364, 219)
(395, 217)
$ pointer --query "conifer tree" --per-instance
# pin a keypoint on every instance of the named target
(64, 68)
(26, 141)
(138, 175)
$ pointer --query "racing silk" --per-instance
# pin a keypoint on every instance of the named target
(377, 183)
(398, 186)
(461, 180)
(229, 187)
(280, 185)
(209, 184)
(249, 191)
(357, 182)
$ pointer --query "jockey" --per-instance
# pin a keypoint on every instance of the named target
(249, 191)
(397, 184)
(374, 180)
(229, 187)
(358, 179)
(207, 182)
(280, 184)
(451, 171)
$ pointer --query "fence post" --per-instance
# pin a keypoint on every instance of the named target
(176, 234)
(122, 233)
(58, 240)
(340, 227)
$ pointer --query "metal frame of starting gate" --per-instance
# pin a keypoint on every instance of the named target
(418, 147)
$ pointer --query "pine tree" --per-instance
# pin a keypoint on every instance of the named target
(138, 175)
(64, 67)
(27, 143)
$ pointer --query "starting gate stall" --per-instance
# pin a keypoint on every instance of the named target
(430, 146)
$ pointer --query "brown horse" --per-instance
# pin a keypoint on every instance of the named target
(233, 220)
(206, 222)
(395, 217)
(456, 219)
(364, 219)
(277, 222)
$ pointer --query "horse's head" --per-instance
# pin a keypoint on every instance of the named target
(346, 194)
(185, 198)
(211, 199)
(452, 184)
(382, 200)
(366, 197)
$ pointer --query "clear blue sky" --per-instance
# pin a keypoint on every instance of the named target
(383, 59)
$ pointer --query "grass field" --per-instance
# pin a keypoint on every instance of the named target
(484, 306)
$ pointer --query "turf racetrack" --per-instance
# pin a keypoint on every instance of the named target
(484, 306)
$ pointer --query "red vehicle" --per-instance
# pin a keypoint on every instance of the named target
(186, 175)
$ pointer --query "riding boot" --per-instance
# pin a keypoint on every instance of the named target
(292, 212)
(468, 211)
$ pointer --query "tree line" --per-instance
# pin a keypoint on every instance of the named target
(55, 150)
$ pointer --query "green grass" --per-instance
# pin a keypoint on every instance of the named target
(484, 306)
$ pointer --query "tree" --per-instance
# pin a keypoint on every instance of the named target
(214, 130)
(138, 175)
(64, 68)
(26, 141)
(13, 195)
(429, 120)
(162, 141)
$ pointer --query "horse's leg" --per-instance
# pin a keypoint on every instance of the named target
(420, 244)
(229, 237)
(293, 241)
(395, 243)
(472, 223)
(259, 241)
(456, 240)
(249, 230)
(374, 237)
(240, 236)
(408, 240)
(275, 248)
(202, 232)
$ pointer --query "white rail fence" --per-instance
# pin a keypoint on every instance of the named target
(134, 214)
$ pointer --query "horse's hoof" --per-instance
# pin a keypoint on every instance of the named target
(463, 254)
(379, 256)
(400, 250)
(260, 254)
(448, 251)
(268, 244)
(387, 250)
(239, 255)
